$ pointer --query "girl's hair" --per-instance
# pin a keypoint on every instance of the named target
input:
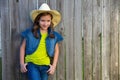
(36, 25)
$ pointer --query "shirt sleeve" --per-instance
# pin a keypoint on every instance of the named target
(25, 33)
(59, 37)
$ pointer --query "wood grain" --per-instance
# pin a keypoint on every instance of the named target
(87, 32)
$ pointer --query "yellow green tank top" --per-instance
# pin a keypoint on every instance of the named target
(40, 56)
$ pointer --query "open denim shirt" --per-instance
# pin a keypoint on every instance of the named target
(32, 42)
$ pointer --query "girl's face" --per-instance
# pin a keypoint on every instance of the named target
(45, 22)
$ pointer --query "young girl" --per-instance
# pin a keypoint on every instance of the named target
(40, 43)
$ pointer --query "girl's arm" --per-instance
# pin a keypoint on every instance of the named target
(22, 56)
(55, 60)
(56, 55)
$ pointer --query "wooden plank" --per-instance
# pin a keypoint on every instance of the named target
(5, 40)
(114, 39)
(68, 18)
(0, 32)
(41, 2)
(23, 11)
(87, 29)
(60, 73)
(119, 37)
(52, 4)
(97, 23)
(78, 40)
(23, 23)
(105, 39)
(34, 4)
(15, 40)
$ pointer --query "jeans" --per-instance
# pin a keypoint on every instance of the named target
(37, 72)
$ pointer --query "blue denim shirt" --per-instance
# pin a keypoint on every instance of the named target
(32, 42)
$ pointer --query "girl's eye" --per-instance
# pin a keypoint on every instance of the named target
(45, 20)
(48, 21)
(42, 20)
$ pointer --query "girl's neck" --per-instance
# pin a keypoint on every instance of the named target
(43, 31)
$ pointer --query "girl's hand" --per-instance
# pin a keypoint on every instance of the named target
(23, 68)
(51, 70)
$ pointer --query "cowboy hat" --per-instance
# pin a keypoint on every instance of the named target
(45, 8)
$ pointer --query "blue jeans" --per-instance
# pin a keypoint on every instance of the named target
(37, 72)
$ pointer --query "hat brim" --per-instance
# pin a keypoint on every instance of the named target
(56, 15)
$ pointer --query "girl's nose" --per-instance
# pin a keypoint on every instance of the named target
(45, 23)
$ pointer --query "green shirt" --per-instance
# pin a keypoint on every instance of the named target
(40, 56)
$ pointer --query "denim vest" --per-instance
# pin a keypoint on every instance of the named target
(32, 42)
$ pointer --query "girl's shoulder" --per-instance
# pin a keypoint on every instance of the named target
(26, 32)
(58, 35)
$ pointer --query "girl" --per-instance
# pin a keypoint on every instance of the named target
(40, 43)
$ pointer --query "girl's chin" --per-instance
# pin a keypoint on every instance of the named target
(44, 28)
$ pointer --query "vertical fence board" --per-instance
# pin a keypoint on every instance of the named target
(0, 46)
(114, 39)
(60, 73)
(23, 23)
(15, 38)
(97, 17)
(53, 4)
(119, 37)
(23, 11)
(40, 2)
(5, 39)
(78, 40)
(32, 4)
(105, 39)
(68, 23)
(87, 29)
(0, 31)
(61, 63)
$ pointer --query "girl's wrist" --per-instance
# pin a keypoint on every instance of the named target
(54, 66)
(23, 64)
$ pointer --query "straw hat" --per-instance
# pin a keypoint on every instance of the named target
(45, 8)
